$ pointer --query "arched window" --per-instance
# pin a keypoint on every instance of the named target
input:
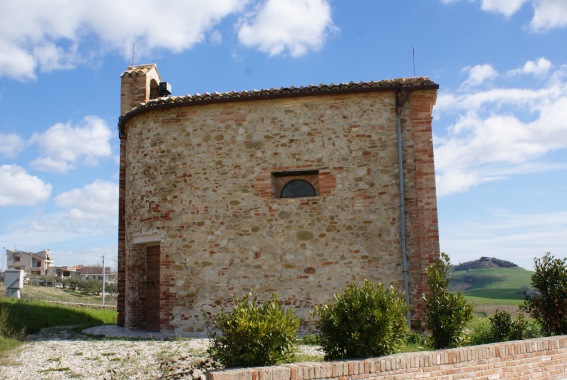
(298, 188)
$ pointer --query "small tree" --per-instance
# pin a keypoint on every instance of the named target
(111, 289)
(446, 314)
(504, 327)
(548, 303)
(363, 322)
(92, 286)
(253, 335)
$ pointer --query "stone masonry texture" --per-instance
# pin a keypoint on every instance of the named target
(200, 180)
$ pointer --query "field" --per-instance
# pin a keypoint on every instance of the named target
(491, 289)
(44, 293)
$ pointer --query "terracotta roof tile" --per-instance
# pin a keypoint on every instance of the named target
(137, 70)
(321, 89)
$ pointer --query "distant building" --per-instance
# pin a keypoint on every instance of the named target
(35, 264)
(95, 272)
(67, 271)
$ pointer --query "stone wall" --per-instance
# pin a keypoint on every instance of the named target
(544, 358)
(199, 182)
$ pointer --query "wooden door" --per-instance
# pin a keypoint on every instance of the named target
(152, 288)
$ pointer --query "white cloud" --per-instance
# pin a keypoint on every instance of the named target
(215, 37)
(510, 235)
(548, 14)
(539, 67)
(505, 7)
(10, 144)
(15, 62)
(49, 35)
(88, 216)
(293, 26)
(21, 188)
(455, 181)
(479, 74)
(95, 205)
(499, 131)
(61, 34)
(65, 145)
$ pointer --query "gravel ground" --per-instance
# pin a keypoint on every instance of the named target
(62, 353)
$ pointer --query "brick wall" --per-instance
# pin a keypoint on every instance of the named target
(544, 358)
(199, 179)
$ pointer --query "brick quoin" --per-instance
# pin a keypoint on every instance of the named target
(201, 176)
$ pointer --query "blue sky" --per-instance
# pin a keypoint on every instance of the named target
(500, 123)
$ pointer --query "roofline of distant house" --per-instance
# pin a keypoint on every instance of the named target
(401, 84)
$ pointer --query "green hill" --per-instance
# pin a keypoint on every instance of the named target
(491, 281)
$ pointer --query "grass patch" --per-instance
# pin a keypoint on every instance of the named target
(301, 358)
(47, 293)
(32, 316)
(491, 301)
(8, 344)
(504, 294)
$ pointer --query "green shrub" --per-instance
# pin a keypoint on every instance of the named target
(363, 322)
(446, 314)
(416, 341)
(111, 289)
(253, 335)
(478, 331)
(504, 327)
(310, 340)
(548, 303)
(92, 287)
(72, 283)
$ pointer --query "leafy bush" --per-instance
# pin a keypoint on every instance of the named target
(446, 314)
(111, 289)
(363, 322)
(416, 341)
(92, 286)
(478, 331)
(252, 335)
(504, 327)
(310, 340)
(548, 302)
(72, 283)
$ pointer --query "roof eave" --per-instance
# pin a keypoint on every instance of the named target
(183, 101)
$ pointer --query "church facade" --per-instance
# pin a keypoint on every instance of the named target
(294, 191)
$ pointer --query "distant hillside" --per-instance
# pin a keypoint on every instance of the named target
(490, 280)
(485, 262)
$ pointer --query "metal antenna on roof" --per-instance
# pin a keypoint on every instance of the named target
(133, 50)
(413, 59)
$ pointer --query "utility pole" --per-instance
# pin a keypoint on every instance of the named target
(103, 280)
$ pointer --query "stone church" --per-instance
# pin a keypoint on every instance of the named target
(298, 191)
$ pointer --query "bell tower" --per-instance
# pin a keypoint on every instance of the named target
(138, 85)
